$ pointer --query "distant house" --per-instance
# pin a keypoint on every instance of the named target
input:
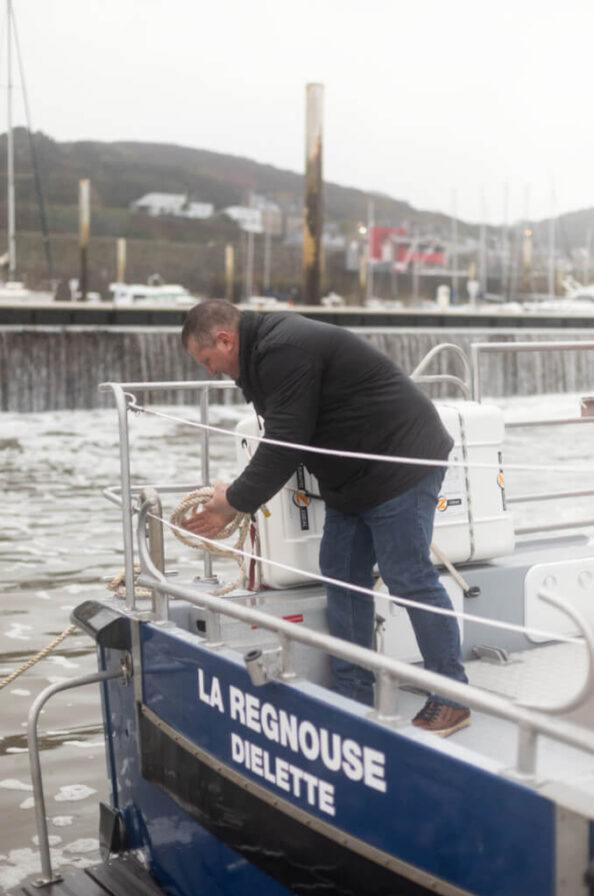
(178, 204)
(246, 217)
(272, 216)
(260, 216)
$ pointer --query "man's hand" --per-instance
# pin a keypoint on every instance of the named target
(214, 516)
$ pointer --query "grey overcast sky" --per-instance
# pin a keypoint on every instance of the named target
(423, 101)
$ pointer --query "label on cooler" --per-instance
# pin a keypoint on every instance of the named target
(453, 502)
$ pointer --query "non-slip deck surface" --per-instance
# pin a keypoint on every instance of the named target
(122, 876)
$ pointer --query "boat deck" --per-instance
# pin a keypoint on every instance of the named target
(541, 677)
(121, 876)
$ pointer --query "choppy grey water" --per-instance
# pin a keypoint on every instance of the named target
(60, 541)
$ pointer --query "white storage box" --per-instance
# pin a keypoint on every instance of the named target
(471, 522)
(291, 534)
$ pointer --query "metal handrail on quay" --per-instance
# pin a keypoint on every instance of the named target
(482, 348)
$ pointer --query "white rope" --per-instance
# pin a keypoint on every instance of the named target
(402, 601)
(359, 455)
(239, 523)
(118, 584)
(38, 656)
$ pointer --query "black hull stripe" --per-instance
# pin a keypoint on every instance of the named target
(298, 850)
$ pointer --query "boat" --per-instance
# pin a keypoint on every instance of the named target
(234, 769)
(155, 294)
(13, 289)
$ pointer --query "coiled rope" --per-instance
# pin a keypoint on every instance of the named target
(38, 656)
(188, 506)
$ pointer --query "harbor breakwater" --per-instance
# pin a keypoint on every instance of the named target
(56, 368)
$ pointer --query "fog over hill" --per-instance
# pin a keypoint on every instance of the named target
(122, 172)
(192, 250)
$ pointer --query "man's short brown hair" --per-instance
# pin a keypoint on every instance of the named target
(202, 320)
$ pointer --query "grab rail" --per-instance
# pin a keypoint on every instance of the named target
(35, 764)
(419, 376)
(586, 688)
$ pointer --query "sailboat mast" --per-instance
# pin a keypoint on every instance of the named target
(10, 150)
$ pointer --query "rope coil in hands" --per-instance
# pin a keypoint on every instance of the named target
(188, 506)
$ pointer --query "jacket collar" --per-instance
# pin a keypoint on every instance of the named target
(249, 325)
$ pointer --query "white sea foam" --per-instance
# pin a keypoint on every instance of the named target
(16, 866)
(15, 784)
(63, 821)
(20, 692)
(17, 631)
(84, 844)
(28, 803)
(63, 661)
(73, 792)
(53, 839)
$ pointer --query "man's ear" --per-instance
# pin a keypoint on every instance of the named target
(226, 338)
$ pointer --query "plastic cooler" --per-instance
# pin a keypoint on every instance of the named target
(471, 520)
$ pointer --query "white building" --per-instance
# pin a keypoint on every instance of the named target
(177, 204)
(247, 218)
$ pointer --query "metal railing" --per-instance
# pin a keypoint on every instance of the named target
(390, 672)
(464, 385)
(121, 394)
(47, 875)
(477, 349)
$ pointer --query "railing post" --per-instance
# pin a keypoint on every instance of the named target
(212, 622)
(204, 444)
(386, 698)
(475, 363)
(160, 603)
(122, 408)
(286, 646)
(526, 756)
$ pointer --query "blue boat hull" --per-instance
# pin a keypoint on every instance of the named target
(232, 789)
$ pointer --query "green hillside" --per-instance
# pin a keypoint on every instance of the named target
(122, 172)
(191, 251)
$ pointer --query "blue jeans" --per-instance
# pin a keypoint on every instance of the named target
(396, 534)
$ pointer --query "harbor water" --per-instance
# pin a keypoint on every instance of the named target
(61, 543)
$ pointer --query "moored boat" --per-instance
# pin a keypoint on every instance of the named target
(233, 767)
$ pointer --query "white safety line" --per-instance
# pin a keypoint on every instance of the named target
(403, 601)
(358, 455)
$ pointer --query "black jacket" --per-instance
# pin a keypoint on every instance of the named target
(317, 384)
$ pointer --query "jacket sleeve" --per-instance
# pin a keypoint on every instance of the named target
(291, 382)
